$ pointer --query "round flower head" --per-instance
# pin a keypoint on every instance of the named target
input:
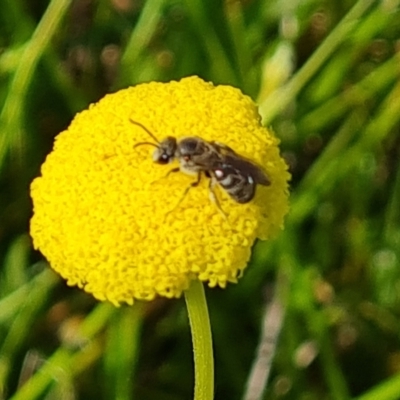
(112, 221)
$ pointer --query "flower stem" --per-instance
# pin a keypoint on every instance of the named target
(202, 341)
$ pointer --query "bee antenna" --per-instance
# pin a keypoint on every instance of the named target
(142, 143)
(145, 129)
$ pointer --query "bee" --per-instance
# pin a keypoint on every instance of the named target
(237, 175)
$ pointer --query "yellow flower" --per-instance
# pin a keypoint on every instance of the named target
(110, 220)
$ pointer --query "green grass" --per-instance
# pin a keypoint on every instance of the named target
(326, 76)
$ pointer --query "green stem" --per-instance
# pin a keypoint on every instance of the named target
(202, 341)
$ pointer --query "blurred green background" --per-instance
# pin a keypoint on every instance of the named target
(326, 77)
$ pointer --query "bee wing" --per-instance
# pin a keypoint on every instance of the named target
(242, 164)
(224, 149)
(248, 168)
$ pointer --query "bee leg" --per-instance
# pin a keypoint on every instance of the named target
(166, 176)
(177, 169)
(213, 196)
(192, 185)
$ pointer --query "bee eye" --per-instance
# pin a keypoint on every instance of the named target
(164, 159)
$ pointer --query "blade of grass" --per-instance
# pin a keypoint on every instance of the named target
(18, 330)
(63, 358)
(221, 68)
(122, 351)
(10, 304)
(273, 317)
(319, 327)
(337, 160)
(392, 212)
(353, 54)
(357, 94)
(11, 129)
(16, 20)
(243, 56)
(15, 268)
(279, 99)
(388, 390)
(139, 39)
(322, 175)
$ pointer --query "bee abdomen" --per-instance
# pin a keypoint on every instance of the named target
(240, 187)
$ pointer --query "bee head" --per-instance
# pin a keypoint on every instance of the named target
(165, 151)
